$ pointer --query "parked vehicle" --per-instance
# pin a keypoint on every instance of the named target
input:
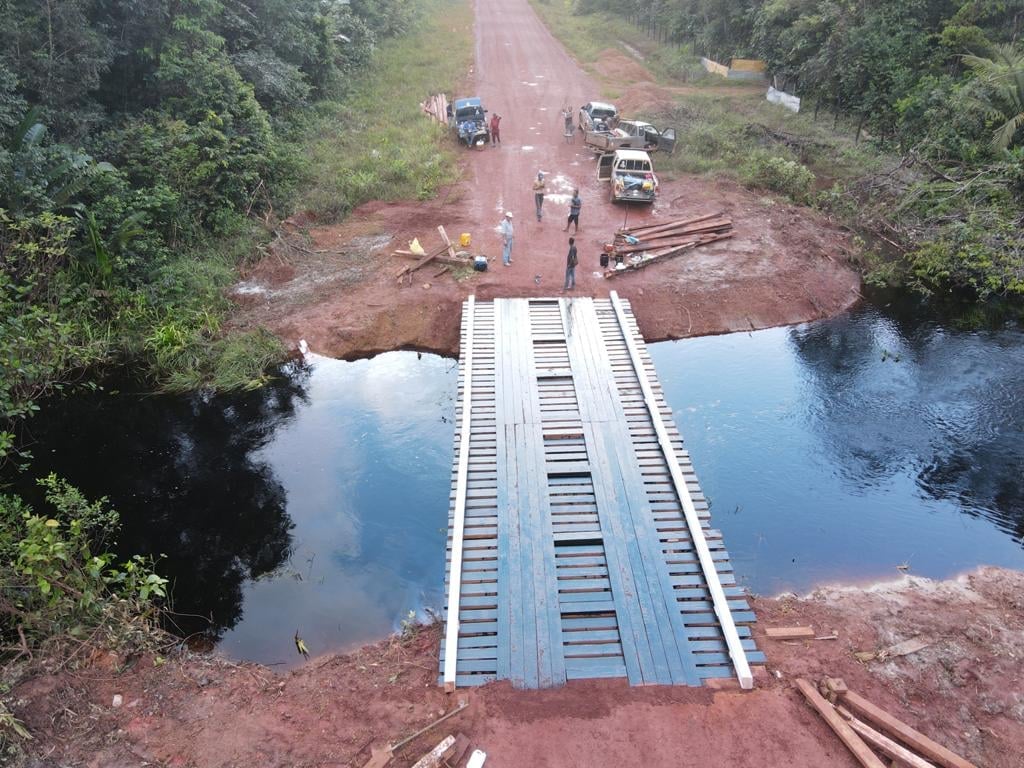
(468, 120)
(598, 116)
(630, 174)
(648, 135)
(609, 141)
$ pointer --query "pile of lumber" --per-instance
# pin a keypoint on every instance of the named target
(642, 245)
(866, 729)
(444, 254)
(437, 107)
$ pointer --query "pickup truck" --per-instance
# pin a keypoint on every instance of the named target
(468, 120)
(651, 137)
(598, 116)
(630, 174)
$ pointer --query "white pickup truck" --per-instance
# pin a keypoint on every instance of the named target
(631, 134)
(630, 174)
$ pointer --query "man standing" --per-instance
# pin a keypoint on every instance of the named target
(505, 228)
(574, 212)
(538, 192)
(570, 266)
(495, 129)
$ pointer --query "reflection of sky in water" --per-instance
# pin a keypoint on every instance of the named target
(841, 449)
(365, 464)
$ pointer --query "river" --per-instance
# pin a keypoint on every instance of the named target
(831, 451)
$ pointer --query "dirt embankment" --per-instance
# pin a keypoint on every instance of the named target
(965, 688)
(337, 289)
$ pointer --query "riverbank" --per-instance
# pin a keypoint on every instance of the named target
(962, 688)
(784, 264)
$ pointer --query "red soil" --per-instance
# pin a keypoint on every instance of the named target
(784, 264)
(964, 690)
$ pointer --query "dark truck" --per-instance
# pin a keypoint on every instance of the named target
(468, 120)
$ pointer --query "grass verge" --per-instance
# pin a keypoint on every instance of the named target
(375, 143)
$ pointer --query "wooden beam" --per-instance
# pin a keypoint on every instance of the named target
(842, 729)
(433, 758)
(879, 717)
(451, 642)
(447, 242)
(707, 563)
(648, 229)
(790, 633)
(884, 744)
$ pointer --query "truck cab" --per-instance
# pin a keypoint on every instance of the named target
(630, 174)
(650, 137)
(598, 116)
(468, 120)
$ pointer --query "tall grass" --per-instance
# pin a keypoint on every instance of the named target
(374, 143)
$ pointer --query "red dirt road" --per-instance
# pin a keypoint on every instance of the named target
(784, 264)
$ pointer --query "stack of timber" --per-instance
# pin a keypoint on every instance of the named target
(437, 107)
(637, 247)
(869, 732)
(444, 254)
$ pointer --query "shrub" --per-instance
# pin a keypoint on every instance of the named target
(780, 175)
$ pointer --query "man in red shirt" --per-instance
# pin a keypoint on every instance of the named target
(495, 130)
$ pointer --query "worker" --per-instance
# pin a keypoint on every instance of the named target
(571, 260)
(495, 129)
(507, 233)
(574, 212)
(538, 193)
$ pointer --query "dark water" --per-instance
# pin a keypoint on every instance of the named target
(317, 504)
(830, 451)
(840, 449)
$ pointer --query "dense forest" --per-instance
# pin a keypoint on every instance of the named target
(140, 141)
(938, 84)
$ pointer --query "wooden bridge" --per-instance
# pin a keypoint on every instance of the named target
(579, 541)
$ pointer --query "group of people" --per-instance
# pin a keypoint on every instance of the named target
(507, 231)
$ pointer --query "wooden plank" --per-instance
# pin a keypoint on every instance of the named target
(842, 729)
(447, 242)
(649, 228)
(790, 633)
(455, 569)
(879, 717)
(742, 668)
(884, 744)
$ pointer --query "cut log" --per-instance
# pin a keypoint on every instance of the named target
(842, 729)
(934, 751)
(447, 242)
(649, 229)
(885, 745)
(653, 256)
(789, 633)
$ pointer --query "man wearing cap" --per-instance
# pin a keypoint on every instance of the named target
(505, 228)
(538, 192)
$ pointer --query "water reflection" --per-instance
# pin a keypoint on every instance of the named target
(839, 449)
(318, 503)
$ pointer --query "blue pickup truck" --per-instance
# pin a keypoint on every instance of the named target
(468, 119)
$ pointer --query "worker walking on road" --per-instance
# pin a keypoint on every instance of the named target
(495, 129)
(570, 266)
(574, 212)
(538, 192)
(505, 228)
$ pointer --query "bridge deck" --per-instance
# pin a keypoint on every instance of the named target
(569, 511)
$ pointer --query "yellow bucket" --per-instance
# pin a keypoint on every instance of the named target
(464, 240)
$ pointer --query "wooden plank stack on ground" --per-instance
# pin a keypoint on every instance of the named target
(636, 247)
(436, 106)
(860, 725)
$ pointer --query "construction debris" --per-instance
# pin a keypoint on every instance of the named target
(423, 257)
(433, 758)
(636, 247)
(437, 107)
(855, 720)
(381, 757)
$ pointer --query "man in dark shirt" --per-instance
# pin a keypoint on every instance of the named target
(570, 266)
(574, 212)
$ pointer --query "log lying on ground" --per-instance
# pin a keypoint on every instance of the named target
(642, 245)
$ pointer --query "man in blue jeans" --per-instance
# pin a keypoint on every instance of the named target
(570, 266)
(505, 228)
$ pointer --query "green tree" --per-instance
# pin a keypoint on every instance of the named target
(1001, 76)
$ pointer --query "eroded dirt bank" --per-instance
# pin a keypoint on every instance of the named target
(784, 264)
(965, 688)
